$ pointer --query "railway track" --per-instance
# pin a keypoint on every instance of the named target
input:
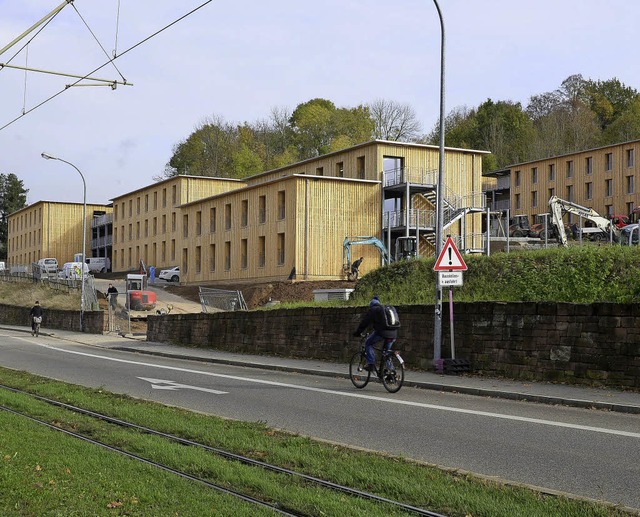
(227, 455)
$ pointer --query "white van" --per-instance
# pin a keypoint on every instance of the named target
(72, 271)
(100, 264)
(48, 265)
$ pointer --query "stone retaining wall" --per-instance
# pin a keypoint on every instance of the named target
(595, 344)
(94, 321)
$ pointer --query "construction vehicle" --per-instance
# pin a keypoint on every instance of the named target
(140, 301)
(406, 248)
(519, 226)
(601, 230)
(346, 252)
(630, 235)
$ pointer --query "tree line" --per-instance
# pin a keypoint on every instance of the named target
(580, 114)
(13, 197)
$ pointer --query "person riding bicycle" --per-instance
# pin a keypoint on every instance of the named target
(375, 317)
(35, 312)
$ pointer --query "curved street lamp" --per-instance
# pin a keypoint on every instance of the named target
(84, 232)
(437, 326)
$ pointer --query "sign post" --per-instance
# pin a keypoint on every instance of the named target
(449, 267)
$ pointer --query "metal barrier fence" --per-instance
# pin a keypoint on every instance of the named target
(118, 320)
(213, 300)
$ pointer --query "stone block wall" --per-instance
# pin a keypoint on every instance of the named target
(94, 321)
(595, 344)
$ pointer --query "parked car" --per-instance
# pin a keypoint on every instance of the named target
(72, 271)
(171, 274)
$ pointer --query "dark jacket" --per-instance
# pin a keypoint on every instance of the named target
(375, 317)
(36, 310)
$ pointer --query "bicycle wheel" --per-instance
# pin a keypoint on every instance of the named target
(392, 373)
(358, 375)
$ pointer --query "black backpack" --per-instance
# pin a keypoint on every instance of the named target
(391, 319)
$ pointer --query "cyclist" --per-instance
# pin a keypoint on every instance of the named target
(35, 312)
(375, 317)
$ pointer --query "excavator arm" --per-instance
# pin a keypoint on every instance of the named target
(559, 207)
(350, 241)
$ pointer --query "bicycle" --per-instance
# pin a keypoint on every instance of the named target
(35, 327)
(390, 369)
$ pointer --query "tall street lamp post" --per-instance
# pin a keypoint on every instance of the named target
(84, 232)
(437, 325)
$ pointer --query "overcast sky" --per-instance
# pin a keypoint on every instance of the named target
(239, 59)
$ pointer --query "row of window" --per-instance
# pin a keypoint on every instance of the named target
(569, 167)
(588, 191)
(26, 219)
(259, 255)
(142, 228)
(120, 213)
(25, 241)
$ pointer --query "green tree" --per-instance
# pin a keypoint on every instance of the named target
(13, 197)
(609, 99)
(625, 127)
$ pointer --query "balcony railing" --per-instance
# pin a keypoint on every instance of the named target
(101, 220)
(414, 175)
(417, 219)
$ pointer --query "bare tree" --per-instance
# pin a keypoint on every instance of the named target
(394, 121)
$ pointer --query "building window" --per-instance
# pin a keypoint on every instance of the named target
(552, 172)
(173, 221)
(212, 257)
(517, 201)
(609, 210)
(173, 250)
(198, 259)
(155, 200)
(146, 202)
(629, 185)
(281, 205)
(534, 199)
(319, 171)
(198, 222)
(552, 192)
(630, 157)
(130, 231)
(608, 162)
(608, 187)
(534, 175)
(227, 216)
(185, 226)
(146, 227)
(280, 257)
(138, 230)
(138, 205)
(262, 251)
(588, 190)
(516, 179)
(262, 209)
(163, 251)
(340, 169)
(227, 255)
(569, 192)
(360, 167)
(630, 207)
(164, 223)
(588, 165)
(244, 214)
(164, 198)
(243, 254)
(174, 194)
(570, 169)
(212, 220)
(131, 208)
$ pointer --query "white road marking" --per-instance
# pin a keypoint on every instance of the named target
(159, 384)
(360, 395)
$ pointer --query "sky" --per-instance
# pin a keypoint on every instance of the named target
(240, 59)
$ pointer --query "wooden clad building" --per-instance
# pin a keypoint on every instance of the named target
(290, 222)
(601, 178)
(49, 229)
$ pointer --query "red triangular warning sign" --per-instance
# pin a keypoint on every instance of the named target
(450, 258)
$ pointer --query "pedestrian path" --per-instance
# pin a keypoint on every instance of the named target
(541, 392)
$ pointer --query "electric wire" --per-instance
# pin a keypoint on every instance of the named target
(45, 101)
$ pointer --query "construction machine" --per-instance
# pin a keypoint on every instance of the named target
(602, 228)
(346, 252)
(140, 301)
(519, 226)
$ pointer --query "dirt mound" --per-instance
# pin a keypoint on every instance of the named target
(257, 295)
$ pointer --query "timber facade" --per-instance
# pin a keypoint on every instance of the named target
(292, 222)
(50, 229)
(601, 178)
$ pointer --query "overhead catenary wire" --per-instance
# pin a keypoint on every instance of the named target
(159, 31)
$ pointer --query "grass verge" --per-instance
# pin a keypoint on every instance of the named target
(47, 473)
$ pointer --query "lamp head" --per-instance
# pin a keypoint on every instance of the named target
(47, 157)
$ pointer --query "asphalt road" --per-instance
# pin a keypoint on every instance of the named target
(589, 453)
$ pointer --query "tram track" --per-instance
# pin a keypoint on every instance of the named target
(227, 455)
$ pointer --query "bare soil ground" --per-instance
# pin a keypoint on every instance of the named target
(259, 294)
